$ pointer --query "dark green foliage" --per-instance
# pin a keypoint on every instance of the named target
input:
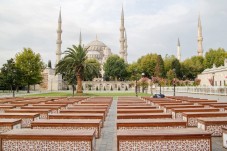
(216, 57)
(31, 65)
(115, 68)
(159, 68)
(11, 76)
(75, 64)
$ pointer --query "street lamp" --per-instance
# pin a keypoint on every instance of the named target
(134, 73)
(213, 78)
(73, 83)
(14, 80)
(136, 88)
(174, 82)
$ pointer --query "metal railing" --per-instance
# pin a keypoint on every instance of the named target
(212, 90)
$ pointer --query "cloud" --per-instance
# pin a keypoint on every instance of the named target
(153, 26)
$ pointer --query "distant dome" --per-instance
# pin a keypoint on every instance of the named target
(96, 45)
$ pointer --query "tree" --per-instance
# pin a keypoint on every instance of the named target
(159, 68)
(88, 75)
(192, 67)
(132, 71)
(177, 66)
(146, 64)
(216, 57)
(11, 76)
(74, 62)
(168, 62)
(31, 65)
(49, 64)
(115, 68)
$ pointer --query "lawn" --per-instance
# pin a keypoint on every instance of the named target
(89, 94)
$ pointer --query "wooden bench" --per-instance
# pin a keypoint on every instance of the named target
(168, 108)
(191, 139)
(136, 107)
(191, 117)
(53, 109)
(44, 113)
(39, 139)
(144, 116)
(69, 124)
(17, 106)
(130, 124)
(3, 108)
(213, 125)
(161, 105)
(197, 101)
(131, 111)
(62, 106)
(207, 104)
(177, 112)
(78, 116)
(221, 107)
(27, 118)
(89, 111)
(9, 124)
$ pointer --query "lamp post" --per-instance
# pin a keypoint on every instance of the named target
(134, 73)
(213, 77)
(14, 80)
(174, 82)
(73, 82)
(136, 88)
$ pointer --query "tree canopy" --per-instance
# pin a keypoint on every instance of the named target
(31, 65)
(115, 68)
(216, 57)
(75, 64)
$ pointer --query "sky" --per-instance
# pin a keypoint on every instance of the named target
(153, 26)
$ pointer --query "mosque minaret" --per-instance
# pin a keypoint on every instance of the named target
(178, 50)
(59, 41)
(123, 46)
(200, 38)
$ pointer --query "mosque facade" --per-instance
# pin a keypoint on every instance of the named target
(96, 49)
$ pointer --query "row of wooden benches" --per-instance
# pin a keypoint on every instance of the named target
(68, 124)
(159, 120)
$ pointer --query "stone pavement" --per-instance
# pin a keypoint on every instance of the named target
(108, 139)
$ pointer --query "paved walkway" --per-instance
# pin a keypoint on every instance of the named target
(108, 139)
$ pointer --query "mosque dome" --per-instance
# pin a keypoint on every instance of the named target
(96, 45)
(94, 54)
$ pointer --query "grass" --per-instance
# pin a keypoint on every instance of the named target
(89, 94)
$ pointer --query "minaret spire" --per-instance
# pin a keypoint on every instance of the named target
(122, 37)
(59, 41)
(125, 47)
(200, 38)
(178, 50)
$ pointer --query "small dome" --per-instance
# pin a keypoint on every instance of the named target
(107, 51)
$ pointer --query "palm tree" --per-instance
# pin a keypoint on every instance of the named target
(75, 61)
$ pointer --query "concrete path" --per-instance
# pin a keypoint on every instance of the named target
(108, 139)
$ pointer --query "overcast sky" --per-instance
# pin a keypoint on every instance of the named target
(153, 26)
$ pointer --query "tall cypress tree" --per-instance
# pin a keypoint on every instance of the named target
(159, 68)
